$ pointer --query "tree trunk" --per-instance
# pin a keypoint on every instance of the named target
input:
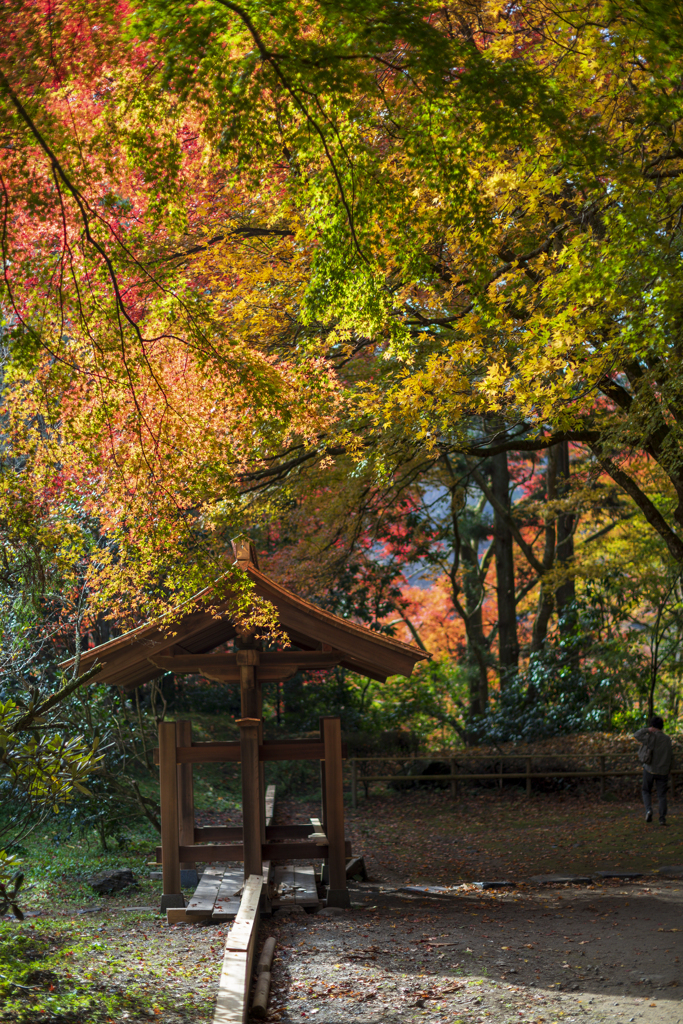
(474, 628)
(508, 643)
(545, 599)
(566, 592)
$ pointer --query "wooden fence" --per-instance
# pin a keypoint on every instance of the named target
(499, 774)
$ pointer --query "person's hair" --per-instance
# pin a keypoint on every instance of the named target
(656, 722)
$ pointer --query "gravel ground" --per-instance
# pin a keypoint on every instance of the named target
(532, 954)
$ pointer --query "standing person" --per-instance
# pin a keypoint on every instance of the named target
(657, 756)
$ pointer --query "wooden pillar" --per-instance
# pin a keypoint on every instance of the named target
(250, 694)
(183, 738)
(168, 797)
(337, 894)
(251, 816)
(325, 869)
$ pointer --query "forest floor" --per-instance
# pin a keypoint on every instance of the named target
(602, 952)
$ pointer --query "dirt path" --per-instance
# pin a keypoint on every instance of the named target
(609, 952)
(606, 953)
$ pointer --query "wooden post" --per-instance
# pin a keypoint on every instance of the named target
(354, 784)
(337, 894)
(250, 692)
(251, 818)
(528, 776)
(168, 797)
(454, 784)
(325, 868)
(183, 738)
(602, 775)
(500, 776)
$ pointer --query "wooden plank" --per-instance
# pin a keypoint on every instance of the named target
(229, 894)
(205, 894)
(318, 835)
(232, 1002)
(177, 916)
(270, 805)
(284, 881)
(233, 989)
(168, 798)
(246, 920)
(306, 889)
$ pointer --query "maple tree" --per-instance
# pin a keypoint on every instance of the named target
(244, 241)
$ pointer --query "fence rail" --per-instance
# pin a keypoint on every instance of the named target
(455, 777)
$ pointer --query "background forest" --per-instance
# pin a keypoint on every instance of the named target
(393, 289)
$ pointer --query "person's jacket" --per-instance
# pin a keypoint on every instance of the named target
(662, 751)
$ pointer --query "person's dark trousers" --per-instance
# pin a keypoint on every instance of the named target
(662, 785)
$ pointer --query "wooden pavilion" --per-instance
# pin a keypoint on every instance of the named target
(320, 641)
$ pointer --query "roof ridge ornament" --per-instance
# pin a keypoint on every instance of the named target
(244, 551)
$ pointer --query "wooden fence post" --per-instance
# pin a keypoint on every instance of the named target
(168, 798)
(602, 775)
(354, 784)
(454, 784)
(528, 776)
(337, 894)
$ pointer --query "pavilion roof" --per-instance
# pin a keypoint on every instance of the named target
(126, 659)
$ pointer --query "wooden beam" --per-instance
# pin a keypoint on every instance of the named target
(338, 895)
(168, 796)
(271, 750)
(226, 833)
(271, 851)
(272, 664)
(232, 1001)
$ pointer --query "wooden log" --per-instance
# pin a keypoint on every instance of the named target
(183, 738)
(259, 1005)
(252, 811)
(338, 895)
(265, 961)
(168, 798)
